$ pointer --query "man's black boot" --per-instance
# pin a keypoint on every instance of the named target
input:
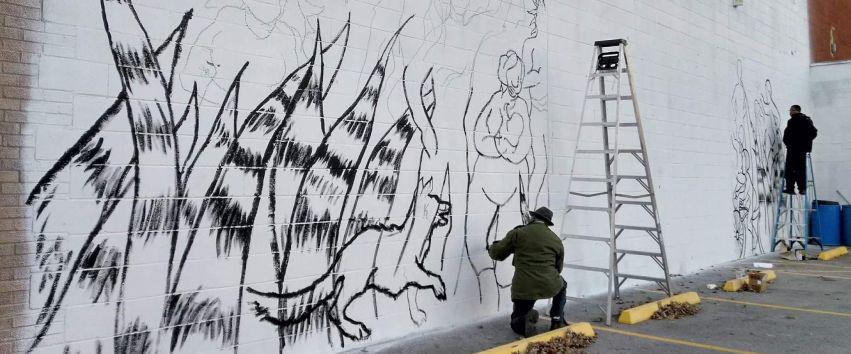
(557, 322)
(525, 325)
(531, 320)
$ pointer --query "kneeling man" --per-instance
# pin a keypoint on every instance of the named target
(538, 260)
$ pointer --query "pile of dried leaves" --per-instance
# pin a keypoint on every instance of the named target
(569, 343)
(675, 310)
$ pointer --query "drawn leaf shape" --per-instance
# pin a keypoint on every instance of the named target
(334, 52)
(293, 145)
(380, 178)
(172, 53)
(222, 211)
(317, 212)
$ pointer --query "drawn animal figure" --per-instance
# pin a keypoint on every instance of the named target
(325, 300)
(173, 192)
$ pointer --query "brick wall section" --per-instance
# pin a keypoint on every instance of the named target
(830, 33)
(25, 39)
(21, 47)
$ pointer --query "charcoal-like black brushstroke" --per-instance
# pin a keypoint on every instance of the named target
(99, 270)
(329, 298)
(324, 294)
(111, 188)
(356, 125)
(136, 338)
(75, 153)
(154, 122)
(191, 315)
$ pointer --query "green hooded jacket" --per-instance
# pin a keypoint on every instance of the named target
(538, 260)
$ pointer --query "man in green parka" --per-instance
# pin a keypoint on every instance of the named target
(538, 260)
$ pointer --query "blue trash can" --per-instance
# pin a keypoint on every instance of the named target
(825, 222)
(846, 225)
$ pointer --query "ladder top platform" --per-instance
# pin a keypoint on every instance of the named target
(610, 43)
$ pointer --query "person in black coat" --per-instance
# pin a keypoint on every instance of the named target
(798, 138)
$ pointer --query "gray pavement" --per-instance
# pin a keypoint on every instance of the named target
(806, 310)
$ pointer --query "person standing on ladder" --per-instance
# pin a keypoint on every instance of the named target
(538, 260)
(798, 138)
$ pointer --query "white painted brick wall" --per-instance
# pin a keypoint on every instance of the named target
(685, 56)
(830, 110)
(58, 76)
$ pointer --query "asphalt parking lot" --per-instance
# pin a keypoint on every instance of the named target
(806, 309)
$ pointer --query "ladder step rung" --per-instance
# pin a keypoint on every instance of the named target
(633, 202)
(592, 179)
(639, 277)
(640, 228)
(609, 124)
(588, 268)
(641, 253)
(580, 299)
(631, 177)
(602, 74)
(582, 207)
(607, 73)
(609, 151)
(630, 151)
(604, 179)
(585, 237)
(608, 97)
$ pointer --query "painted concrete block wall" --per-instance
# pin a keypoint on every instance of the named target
(831, 108)
(303, 176)
(714, 85)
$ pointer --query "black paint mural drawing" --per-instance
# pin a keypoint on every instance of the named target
(203, 211)
(198, 182)
(758, 145)
(500, 138)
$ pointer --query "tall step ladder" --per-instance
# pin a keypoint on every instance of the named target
(615, 181)
(792, 220)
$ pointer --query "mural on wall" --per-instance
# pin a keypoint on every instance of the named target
(214, 223)
(758, 145)
(500, 138)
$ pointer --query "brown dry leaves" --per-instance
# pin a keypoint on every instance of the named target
(675, 310)
(570, 343)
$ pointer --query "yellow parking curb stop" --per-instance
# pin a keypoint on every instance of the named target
(737, 284)
(583, 328)
(644, 312)
(834, 253)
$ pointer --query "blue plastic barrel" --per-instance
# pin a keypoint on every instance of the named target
(846, 225)
(825, 223)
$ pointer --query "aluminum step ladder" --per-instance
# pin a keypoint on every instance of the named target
(792, 220)
(623, 184)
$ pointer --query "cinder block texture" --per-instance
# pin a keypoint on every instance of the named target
(257, 176)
